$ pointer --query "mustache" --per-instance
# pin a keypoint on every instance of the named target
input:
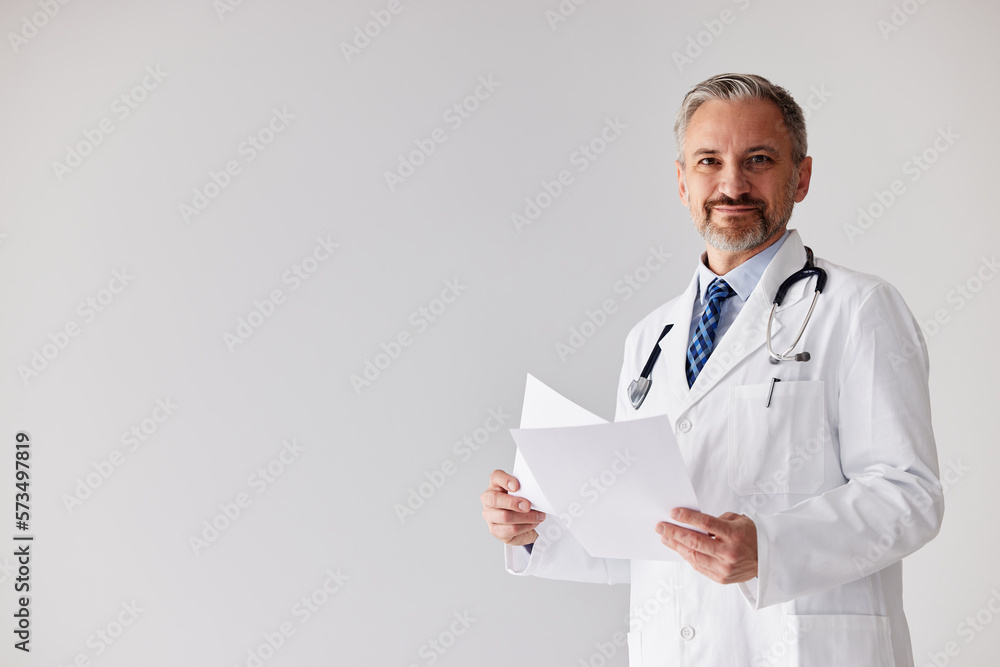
(742, 200)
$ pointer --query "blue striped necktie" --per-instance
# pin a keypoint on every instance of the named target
(704, 334)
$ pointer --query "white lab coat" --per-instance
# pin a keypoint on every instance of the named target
(839, 474)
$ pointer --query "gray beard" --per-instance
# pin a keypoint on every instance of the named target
(765, 227)
(723, 240)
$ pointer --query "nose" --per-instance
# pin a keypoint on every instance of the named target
(733, 181)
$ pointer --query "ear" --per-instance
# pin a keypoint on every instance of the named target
(805, 174)
(681, 185)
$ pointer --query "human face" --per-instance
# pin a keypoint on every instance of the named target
(739, 180)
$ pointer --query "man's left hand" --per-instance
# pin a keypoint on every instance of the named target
(727, 555)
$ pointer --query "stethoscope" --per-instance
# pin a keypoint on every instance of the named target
(638, 389)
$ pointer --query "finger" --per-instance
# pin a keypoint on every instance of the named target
(689, 538)
(674, 530)
(723, 561)
(699, 561)
(706, 522)
(689, 545)
(507, 517)
(502, 500)
(507, 532)
(715, 569)
(529, 537)
(500, 480)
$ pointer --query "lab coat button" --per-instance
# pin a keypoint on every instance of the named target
(687, 632)
(684, 426)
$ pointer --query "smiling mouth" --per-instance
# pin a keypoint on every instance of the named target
(735, 210)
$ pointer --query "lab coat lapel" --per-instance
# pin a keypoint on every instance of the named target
(789, 259)
(747, 333)
(673, 348)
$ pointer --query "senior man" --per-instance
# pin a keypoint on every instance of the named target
(816, 474)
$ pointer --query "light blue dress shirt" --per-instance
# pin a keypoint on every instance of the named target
(743, 279)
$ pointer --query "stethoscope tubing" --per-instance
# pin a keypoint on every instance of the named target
(639, 387)
(787, 355)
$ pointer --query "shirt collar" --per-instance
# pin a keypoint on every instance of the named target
(744, 278)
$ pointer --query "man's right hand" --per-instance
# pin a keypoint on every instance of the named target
(510, 518)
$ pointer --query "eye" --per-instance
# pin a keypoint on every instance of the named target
(759, 159)
(707, 160)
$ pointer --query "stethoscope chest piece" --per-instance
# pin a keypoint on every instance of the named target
(639, 387)
(637, 391)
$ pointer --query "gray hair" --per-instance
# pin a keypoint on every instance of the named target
(743, 87)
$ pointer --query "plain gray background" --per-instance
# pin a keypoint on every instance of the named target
(879, 97)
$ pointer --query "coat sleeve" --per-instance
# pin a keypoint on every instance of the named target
(556, 554)
(892, 503)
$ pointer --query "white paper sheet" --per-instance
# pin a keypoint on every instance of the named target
(544, 408)
(610, 482)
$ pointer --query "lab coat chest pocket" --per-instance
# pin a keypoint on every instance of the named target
(777, 446)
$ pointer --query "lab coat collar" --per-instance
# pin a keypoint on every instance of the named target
(745, 335)
(743, 278)
(787, 261)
